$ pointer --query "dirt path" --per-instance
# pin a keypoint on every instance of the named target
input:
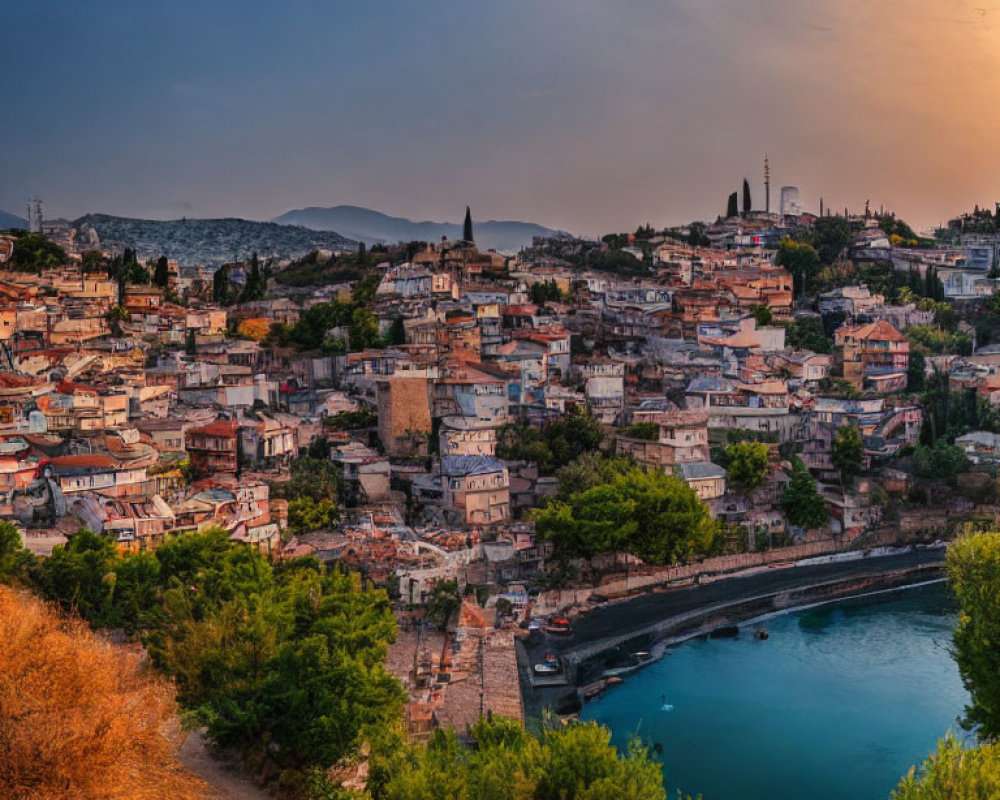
(224, 777)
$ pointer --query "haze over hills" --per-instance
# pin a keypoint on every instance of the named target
(373, 227)
(12, 221)
(209, 242)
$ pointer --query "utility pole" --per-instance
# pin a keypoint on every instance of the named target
(767, 186)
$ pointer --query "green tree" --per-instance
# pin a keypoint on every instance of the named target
(15, 560)
(954, 772)
(363, 292)
(310, 331)
(443, 601)
(973, 565)
(808, 333)
(161, 272)
(916, 372)
(732, 206)
(557, 762)
(577, 433)
(306, 515)
(656, 516)
(397, 332)
(941, 461)
(80, 576)
(747, 464)
(256, 286)
(93, 261)
(223, 292)
(589, 470)
(467, 226)
(830, 237)
(352, 420)
(697, 237)
(848, 452)
(642, 430)
(34, 253)
(363, 332)
(544, 291)
(762, 315)
(802, 503)
(316, 478)
(801, 260)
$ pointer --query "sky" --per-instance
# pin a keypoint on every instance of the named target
(585, 115)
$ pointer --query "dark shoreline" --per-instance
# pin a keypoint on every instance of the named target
(605, 637)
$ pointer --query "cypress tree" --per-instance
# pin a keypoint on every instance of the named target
(467, 227)
(747, 205)
(161, 273)
(732, 207)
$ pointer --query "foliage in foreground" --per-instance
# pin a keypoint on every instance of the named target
(576, 762)
(974, 571)
(81, 718)
(285, 663)
(954, 772)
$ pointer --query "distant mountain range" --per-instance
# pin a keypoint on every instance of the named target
(11, 221)
(373, 227)
(209, 242)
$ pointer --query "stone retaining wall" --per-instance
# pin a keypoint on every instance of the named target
(558, 599)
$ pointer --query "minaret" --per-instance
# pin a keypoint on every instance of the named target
(767, 186)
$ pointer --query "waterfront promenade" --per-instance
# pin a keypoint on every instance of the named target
(658, 615)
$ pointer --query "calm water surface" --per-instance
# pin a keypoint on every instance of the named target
(835, 705)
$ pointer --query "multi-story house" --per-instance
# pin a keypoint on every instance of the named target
(466, 436)
(873, 356)
(476, 489)
(469, 392)
(682, 438)
(214, 447)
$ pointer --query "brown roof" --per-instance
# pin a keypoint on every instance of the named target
(221, 427)
(84, 460)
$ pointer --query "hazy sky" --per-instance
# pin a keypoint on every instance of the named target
(589, 115)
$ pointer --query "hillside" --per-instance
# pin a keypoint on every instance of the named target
(210, 242)
(11, 221)
(372, 227)
(81, 718)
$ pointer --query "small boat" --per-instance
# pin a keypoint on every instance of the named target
(558, 625)
(549, 666)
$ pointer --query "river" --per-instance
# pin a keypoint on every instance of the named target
(836, 704)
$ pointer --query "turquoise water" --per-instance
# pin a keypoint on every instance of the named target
(835, 705)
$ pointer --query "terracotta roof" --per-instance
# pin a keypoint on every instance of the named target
(881, 330)
(221, 427)
(84, 460)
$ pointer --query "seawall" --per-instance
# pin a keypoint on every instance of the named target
(606, 638)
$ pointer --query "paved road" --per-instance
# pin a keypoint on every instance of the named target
(621, 619)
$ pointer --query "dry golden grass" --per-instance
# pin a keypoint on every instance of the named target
(80, 718)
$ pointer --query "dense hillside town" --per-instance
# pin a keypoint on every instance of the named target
(498, 438)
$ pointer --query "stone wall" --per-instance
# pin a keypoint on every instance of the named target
(618, 585)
